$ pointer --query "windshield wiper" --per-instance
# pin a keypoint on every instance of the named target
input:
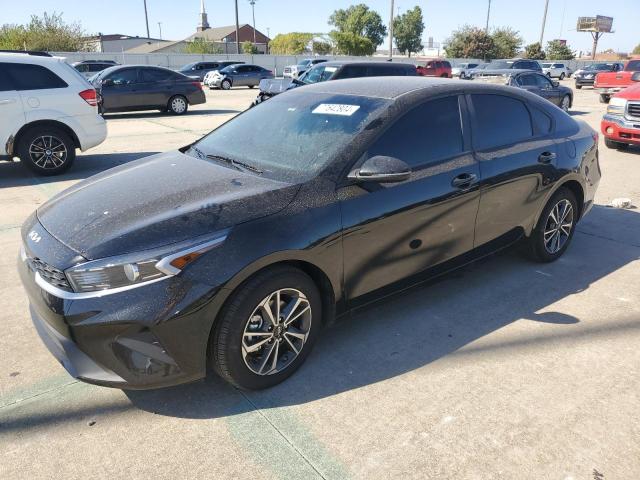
(235, 163)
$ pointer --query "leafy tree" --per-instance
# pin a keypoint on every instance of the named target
(202, 46)
(293, 43)
(359, 21)
(348, 43)
(556, 50)
(407, 30)
(470, 42)
(48, 33)
(534, 51)
(636, 51)
(249, 48)
(507, 42)
(322, 48)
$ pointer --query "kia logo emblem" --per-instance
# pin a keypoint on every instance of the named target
(33, 235)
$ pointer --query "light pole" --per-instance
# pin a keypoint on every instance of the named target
(544, 21)
(391, 32)
(146, 17)
(160, 28)
(486, 29)
(237, 30)
(253, 12)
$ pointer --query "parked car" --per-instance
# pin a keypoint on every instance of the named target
(335, 70)
(621, 124)
(88, 68)
(128, 88)
(47, 111)
(238, 76)
(462, 69)
(294, 71)
(200, 69)
(435, 68)
(500, 67)
(608, 83)
(586, 76)
(288, 216)
(556, 70)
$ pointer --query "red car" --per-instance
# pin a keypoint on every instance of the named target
(608, 83)
(621, 124)
(435, 68)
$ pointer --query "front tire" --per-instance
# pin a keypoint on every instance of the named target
(46, 150)
(566, 103)
(604, 98)
(578, 87)
(226, 84)
(562, 76)
(553, 233)
(178, 105)
(267, 329)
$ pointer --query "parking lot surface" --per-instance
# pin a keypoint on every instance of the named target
(505, 369)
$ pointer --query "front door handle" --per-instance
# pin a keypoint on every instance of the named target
(464, 180)
(546, 157)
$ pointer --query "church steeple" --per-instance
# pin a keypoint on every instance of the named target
(204, 24)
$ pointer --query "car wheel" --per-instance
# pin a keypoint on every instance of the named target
(178, 105)
(555, 228)
(604, 98)
(251, 86)
(566, 103)
(462, 76)
(267, 329)
(46, 150)
(226, 84)
(549, 74)
(562, 76)
(578, 87)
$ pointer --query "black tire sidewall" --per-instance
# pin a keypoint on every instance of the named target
(170, 105)
(226, 82)
(226, 342)
(538, 250)
(30, 135)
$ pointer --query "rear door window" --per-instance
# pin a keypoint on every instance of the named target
(155, 75)
(5, 82)
(499, 120)
(354, 71)
(33, 77)
(124, 77)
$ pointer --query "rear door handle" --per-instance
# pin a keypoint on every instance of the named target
(546, 157)
(464, 180)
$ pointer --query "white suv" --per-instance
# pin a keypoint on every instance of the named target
(47, 110)
(556, 70)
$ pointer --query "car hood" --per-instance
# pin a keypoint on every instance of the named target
(156, 201)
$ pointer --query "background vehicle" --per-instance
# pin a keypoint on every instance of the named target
(47, 110)
(201, 69)
(238, 76)
(461, 70)
(608, 83)
(541, 85)
(556, 70)
(290, 215)
(500, 67)
(586, 76)
(88, 68)
(294, 71)
(128, 88)
(435, 68)
(621, 124)
(334, 70)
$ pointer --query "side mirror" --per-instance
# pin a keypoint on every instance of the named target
(555, 83)
(107, 82)
(635, 77)
(381, 169)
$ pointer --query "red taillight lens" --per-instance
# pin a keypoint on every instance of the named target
(89, 96)
(197, 84)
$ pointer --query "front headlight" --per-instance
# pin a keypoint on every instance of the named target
(616, 106)
(589, 75)
(113, 274)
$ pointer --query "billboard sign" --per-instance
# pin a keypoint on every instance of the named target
(598, 23)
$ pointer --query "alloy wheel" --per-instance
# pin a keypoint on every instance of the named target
(565, 103)
(558, 226)
(276, 331)
(178, 105)
(47, 152)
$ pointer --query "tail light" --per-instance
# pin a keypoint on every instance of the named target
(197, 84)
(89, 96)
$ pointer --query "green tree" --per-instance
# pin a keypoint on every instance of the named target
(249, 48)
(293, 43)
(360, 21)
(348, 43)
(470, 42)
(322, 48)
(534, 51)
(636, 51)
(407, 31)
(48, 33)
(507, 42)
(202, 46)
(556, 50)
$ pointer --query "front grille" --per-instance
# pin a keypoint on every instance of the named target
(633, 110)
(49, 274)
(287, 70)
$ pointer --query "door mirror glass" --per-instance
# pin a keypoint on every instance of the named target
(381, 169)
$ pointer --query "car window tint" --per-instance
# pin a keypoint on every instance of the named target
(527, 81)
(542, 81)
(427, 134)
(5, 81)
(499, 120)
(33, 77)
(354, 71)
(124, 77)
(96, 67)
(82, 68)
(155, 75)
(541, 120)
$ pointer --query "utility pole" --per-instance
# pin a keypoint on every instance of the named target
(146, 17)
(253, 12)
(160, 28)
(486, 29)
(237, 30)
(391, 33)
(544, 21)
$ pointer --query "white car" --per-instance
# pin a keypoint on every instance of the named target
(294, 71)
(47, 110)
(209, 76)
(556, 70)
(462, 70)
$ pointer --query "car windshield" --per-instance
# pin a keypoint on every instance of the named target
(499, 65)
(598, 66)
(188, 67)
(547, 65)
(293, 136)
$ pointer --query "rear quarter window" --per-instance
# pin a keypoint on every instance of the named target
(499, 121)
(33, 77)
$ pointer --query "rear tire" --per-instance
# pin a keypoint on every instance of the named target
(562, 76)
(178, 105)
(578, 87)
(604, 98)
(46, 150)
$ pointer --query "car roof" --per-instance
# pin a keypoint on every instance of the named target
(339, 63)
(31, 59)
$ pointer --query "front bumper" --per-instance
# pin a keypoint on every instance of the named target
(608, 90)
(621, 130)
(584, 81)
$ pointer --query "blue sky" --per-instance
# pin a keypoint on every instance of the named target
(179, 17)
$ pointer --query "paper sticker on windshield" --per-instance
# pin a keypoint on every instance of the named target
(336, 109)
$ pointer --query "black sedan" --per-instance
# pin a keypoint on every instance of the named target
(235, 251)
(129, 88)
(585, 77)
